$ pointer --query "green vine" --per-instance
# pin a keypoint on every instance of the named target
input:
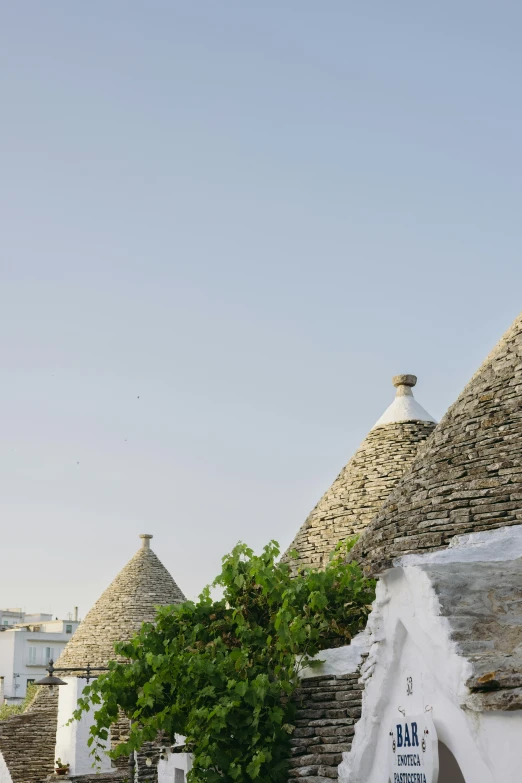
(222, 672)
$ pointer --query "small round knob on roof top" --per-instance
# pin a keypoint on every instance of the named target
(404, 380)
(145, 540)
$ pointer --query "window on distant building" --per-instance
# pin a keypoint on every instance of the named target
(32, 655)
(49, 653)
(29, 682)
(68, 629)
(5, 622)
(179, 775)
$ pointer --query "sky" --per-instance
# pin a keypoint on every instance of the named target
(223, 228)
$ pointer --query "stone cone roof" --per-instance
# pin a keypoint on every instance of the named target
(365, 482)
(468, 476)
(129, 601)
(27, 741)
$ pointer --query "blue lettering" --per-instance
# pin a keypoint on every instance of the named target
(406, 736)
(409, 777)
(408, 760)
(414, 737)
(399, 735)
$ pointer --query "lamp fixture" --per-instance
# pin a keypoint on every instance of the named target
(51, 680)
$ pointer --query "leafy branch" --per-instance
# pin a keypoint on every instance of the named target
(222, 673)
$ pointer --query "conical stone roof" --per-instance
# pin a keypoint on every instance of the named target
(468, 476)
(365, 482)
(130, 600)
(27, 741)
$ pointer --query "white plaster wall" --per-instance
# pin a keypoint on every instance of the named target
(486, 546)
(5, 775)
(499, 734)
(167, 766)
(403, 408)
(410, 639)
(340, 660)
(71, 740)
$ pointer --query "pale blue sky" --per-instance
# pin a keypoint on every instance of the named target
(250, 215)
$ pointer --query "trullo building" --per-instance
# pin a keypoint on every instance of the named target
(431, 691)
(440, 663)
(31, 742)
(362, 486)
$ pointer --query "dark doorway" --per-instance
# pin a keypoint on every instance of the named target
(449, 770)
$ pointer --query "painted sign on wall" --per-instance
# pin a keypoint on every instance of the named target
(413, 750)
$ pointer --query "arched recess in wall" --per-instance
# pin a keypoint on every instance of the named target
(449, 770)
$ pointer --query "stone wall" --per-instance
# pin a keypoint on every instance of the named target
(328, 708)
(119, 734)
(27, 740)
(468, 476)
(150, 751)
(359, 490)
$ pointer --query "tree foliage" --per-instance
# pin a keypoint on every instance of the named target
(222, 672)
(7, 710)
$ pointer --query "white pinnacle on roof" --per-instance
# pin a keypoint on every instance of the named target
(404, 407)
(362, 486)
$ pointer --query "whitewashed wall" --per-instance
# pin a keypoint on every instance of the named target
(71, 740)
(5, 776)
(340, 660)
(410, 638)
(167, 767)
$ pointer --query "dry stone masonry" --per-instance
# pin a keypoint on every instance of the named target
(27, 741)
(328, 708)
(129, 601)
(365, 482)
(468, 476)
(410, 489)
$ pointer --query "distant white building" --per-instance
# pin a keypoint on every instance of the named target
(26, 647)
(9, 617)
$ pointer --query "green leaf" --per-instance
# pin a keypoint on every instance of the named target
(222, 673)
